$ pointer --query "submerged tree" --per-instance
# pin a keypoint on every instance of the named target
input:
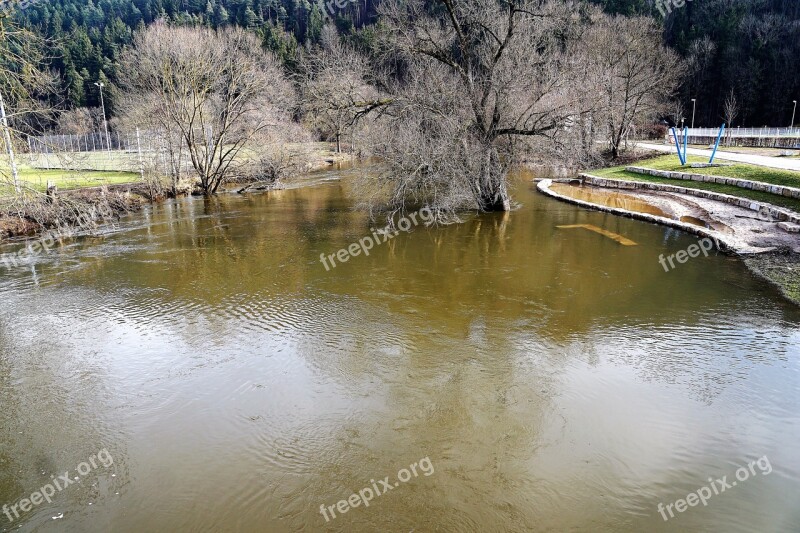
(471, 79)
(214, 95)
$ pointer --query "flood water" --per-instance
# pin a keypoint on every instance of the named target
(554, 379)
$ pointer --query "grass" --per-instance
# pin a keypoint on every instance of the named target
(69, 179)
(73, 170)
(786, 178)
(73, 179)
(747, 172)
(99, 160)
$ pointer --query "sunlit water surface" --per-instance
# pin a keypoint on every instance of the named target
(556, 380)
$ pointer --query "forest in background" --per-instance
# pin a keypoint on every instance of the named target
(749, 46)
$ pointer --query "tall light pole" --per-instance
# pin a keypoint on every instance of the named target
(793, 113)
(694, 108)
(105, 121)
(7, 138)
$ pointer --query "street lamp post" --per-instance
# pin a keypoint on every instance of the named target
(694, 108)
(105, 121)
(793, 113)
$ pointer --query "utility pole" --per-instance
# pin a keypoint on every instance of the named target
(7, 138)
(105, 120)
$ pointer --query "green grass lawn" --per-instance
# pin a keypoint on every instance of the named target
(100, 160)
(69, 179)
(787, 178)
(741, 171)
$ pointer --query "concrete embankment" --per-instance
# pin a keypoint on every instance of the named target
(768, 237)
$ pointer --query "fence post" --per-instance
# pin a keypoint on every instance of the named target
(139, 150)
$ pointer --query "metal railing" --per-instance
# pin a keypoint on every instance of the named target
(746, 132)
(781, 138)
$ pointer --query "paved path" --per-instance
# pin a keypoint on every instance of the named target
(784, 163)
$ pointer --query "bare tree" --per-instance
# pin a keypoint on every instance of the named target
(471, 82)
(677, 112)
(730, 111)
(164, 135)
(80, 121)
(24, 79)
(24, 84)
(218, 92)
(334, 87)
(638, 76)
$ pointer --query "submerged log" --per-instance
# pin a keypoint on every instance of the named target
(259, 186)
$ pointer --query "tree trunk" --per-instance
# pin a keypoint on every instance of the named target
(497, 200)
(493, 192)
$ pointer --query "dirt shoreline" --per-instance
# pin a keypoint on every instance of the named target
(780, 269)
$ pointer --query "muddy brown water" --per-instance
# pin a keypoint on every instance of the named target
(555, 379)
(608, 198)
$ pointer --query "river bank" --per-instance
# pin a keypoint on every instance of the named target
(37, 214)
(80, 207)
(742, 220)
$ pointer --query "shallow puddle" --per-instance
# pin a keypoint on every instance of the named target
(608, 198)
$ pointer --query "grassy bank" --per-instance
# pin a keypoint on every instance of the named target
(784, 178)
(80, 175)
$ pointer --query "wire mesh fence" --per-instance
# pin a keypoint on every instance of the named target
(138, 151)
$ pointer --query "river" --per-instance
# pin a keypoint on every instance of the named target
(540, 378)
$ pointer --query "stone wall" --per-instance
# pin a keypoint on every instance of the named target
(790, 192)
